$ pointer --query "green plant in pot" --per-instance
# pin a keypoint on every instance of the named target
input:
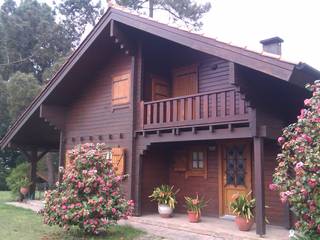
(24, 185)
(194, 206)
(243, 208)
(165, 195)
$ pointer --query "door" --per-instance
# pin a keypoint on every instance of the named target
(160, 88)
(236, 170)
(185, 81)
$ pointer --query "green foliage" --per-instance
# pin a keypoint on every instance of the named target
(4, 114)
(195, 204)
(31, 39)
(165, 195)
(18, 177)
(89, 194)
(22, 88)
(297, 176)
(187, 11)
(243, 206)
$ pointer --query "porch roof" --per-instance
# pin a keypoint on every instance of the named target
(295, 73)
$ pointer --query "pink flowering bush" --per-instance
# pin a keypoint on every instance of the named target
(89, 194)
(297, 176)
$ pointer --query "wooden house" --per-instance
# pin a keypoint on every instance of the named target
(177, 107)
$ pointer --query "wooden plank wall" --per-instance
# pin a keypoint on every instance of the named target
(91, 117)
(213, 74)
(157, 170)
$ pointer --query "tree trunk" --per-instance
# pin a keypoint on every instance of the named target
(151, 8)
(49, 164)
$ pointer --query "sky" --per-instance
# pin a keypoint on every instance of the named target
(246, 22)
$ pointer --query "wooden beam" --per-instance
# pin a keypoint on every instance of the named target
(258, 152)
(33, 175)
(62, 154)
(41, 155)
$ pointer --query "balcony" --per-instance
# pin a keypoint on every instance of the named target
(216, 107)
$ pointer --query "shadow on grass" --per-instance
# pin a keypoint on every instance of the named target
(113, 233)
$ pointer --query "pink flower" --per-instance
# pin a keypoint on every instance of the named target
(281, 140)
(312, 182)
(64, 207)
(273, 187)
(307, 102)
(113, 210)
(307, 138)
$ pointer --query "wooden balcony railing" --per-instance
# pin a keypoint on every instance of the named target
(205, 108)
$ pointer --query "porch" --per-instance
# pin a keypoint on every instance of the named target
(208, 228)
(215, 169)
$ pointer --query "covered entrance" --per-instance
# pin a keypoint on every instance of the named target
(235, 161)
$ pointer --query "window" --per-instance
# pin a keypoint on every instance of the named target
(197, 162)
(120, 89)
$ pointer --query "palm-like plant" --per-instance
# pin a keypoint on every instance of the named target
(165, 195)
(195, 204)
(243, 206)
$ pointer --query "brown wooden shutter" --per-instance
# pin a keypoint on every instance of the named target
(185, 81)
(160, 88)
(120, 89)
(118, 160)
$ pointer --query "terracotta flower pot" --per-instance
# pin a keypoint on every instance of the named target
(164, 210)
(243, 223)
(194, 217)
(24, 190)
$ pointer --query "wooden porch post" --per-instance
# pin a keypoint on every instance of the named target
(259, 185)
(33, 161)
(138, 182)
(62, 154)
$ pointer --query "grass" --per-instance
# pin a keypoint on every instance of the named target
(18, 223)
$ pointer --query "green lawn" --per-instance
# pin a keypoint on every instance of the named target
(17, 223)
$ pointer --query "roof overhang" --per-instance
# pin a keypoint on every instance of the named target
(272, 66)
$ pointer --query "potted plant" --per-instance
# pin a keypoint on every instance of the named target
(166, 198)
(194, 206)
(243, 208)
(24, 186)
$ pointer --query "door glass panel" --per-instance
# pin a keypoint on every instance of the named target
(235, 167)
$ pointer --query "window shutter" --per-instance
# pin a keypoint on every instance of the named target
(120, 89)
(118, 160)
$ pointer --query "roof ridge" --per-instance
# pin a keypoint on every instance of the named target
(203, 34)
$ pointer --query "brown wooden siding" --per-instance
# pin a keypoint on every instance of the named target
(213, 75)
(276, 211)
(158, 169)
(91, 117)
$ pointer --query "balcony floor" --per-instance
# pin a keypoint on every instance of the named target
(178, 228)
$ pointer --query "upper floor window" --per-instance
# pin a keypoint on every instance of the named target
(120, 89)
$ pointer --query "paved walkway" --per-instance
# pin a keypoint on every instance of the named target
(178, 227)
(208, 228)
(34, 205)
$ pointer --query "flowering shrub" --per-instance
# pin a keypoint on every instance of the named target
(89, 194)
(297, 176)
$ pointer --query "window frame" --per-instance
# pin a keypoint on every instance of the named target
(197, 172)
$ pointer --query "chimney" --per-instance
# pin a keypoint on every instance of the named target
(272, 45)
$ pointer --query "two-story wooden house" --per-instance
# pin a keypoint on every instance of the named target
(186, 110)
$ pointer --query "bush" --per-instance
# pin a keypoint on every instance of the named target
(89, 195)
(17, 177)
(297, 175)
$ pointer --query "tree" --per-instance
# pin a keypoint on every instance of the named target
(89, 194)
(186, 11)
(22, 88)
(297, 176)
(31, 40)
(78, 14)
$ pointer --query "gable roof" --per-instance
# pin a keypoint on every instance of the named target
(258, 61)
